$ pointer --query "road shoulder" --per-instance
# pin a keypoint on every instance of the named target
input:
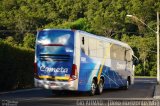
(157, 92)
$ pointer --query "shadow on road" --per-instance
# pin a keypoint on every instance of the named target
(69, 94)
(143, 88)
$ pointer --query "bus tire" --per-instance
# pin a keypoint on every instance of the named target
(126, 86)
(93, 88)
(100, 87)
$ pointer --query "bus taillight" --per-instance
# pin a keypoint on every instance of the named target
(35, 68)
(74, 72)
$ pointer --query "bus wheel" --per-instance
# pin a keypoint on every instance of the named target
(93, 88)
(127, 85)
(100, 86)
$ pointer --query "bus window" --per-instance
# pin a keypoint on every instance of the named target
(128, 55)
(84, 44)
(83, 40)
(100, 48)
(92, 47)
(117, 52)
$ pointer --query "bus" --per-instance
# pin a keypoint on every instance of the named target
(75, 60)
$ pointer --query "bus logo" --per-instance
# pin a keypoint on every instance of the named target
(55, 70)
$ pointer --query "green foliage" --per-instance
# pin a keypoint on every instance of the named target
(138, 70)
(10, 40)
(20, 18)
(29, 41)
(16, 67)
(153, 72)
(79, 24)
(145, 48)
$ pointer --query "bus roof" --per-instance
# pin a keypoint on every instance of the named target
(106, 39)
(95, 36)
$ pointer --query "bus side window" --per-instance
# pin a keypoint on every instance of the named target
(83, 40)
(84, 44)
(128, 56)
(92, 47)
(100, 49)
(117, 52)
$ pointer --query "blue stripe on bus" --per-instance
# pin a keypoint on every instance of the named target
(112, 78)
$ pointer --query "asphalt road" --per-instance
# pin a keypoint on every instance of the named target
(142, 89)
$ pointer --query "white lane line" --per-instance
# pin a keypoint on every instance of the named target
(144, 80)
(70, 99)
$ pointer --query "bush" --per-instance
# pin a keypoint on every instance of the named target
(16, 65)
(153, 71)
(10, 40)
(138, 70)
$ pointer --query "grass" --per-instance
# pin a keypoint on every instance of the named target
(145, 77)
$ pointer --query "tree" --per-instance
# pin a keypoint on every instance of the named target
(145, 47)
(29, 40)
(20, 18)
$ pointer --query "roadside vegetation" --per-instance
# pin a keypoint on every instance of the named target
(20, 19)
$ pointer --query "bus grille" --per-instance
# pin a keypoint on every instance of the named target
(54, 57)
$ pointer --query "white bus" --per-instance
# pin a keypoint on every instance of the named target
(79, 61)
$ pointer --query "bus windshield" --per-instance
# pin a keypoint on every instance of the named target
(55, 37)
(55, 41)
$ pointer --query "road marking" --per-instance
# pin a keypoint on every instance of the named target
(86, 98)
(145, 81)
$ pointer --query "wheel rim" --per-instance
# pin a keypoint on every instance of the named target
(93, 88)
(100, 87)
(127, 84)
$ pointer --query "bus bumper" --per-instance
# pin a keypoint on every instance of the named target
(55, 85)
